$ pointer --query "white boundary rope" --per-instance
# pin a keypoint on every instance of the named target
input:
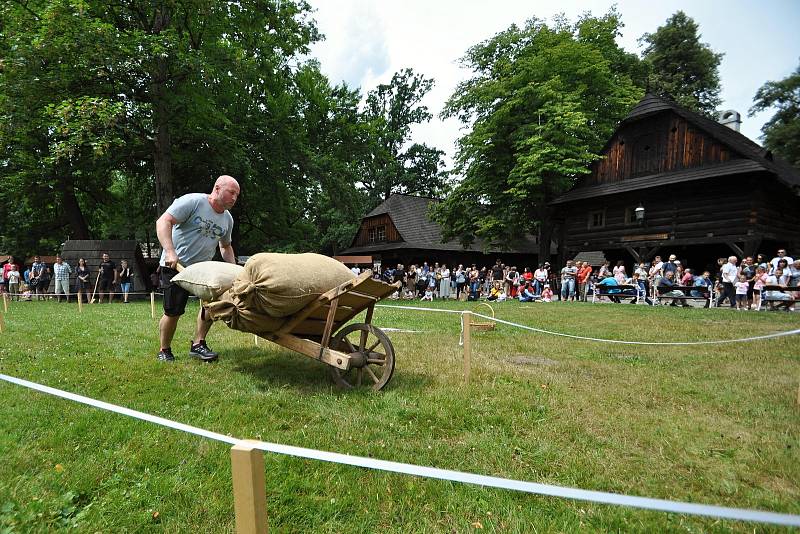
(602, 340)
(662, 505)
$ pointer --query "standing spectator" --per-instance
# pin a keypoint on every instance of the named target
(124, 276)
(40, 278)
(461, 280)
(108, 277)
(568, 274)
(759, 280)
(643, 276)
(10, 265)
(13, 280)
(729, 273)
(411, 281)
(474, 283)
(512, 282)
(356, 270)
(82, 275)
(656, 273)
(781, 256)
(619, 272)
(498, 274)
(582, 280)
(671, 265)
(741, 292)
(539, 279)
(444, 283)
(794, 274)
(748, 269)
(61, 272)
(605, 270)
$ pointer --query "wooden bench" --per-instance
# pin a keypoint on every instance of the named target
(705, 293)
(621, 291)
(772, 302)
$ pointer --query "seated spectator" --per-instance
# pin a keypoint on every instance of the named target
(665, 285)
(638, 282)
(496, 293)
(547, 293)
(702, 281)
(782, 299)
(687, 279)
(526, 293)
(608, 283)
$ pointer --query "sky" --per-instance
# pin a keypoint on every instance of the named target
(367, 41)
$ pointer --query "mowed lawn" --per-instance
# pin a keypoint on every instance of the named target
(709, 424)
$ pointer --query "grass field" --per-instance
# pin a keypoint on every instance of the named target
(709, 424)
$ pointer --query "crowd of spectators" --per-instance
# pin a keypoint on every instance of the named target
(742, 284)
(33, 281)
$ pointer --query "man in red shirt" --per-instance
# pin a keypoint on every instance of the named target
(583, 276)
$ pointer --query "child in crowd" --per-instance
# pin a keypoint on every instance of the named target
(758, 285)
(428, 294)
(741, 292)
(13, 282)
(547, 294)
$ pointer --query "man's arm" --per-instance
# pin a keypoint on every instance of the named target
(227, 252)
(164, 226)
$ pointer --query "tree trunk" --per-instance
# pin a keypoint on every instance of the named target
(72, 210)
(162, 152)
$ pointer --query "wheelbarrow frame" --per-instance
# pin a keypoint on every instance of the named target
(312, 330)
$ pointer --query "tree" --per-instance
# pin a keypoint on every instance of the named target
(391, 111)
(681, 66)
(781, 134)
(542, 103)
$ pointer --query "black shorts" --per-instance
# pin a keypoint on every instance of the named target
(175, 297)
(105, 284)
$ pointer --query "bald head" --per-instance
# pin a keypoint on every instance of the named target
(225, 193)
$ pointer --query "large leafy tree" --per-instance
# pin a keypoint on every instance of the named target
(681, 66)
(396, 165)
(543, 100)
(782, 131)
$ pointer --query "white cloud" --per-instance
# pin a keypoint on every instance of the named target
(368, 41)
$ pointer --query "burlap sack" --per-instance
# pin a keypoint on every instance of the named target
(208, 280)
(232, 311)
(281, 284)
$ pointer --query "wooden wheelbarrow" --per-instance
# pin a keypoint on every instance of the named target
(358, 354)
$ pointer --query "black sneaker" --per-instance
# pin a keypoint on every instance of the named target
(201, 351)
(166, 356)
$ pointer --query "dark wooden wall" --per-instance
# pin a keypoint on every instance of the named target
(747, 207)
(92, 251)
(392, 235)
(663, 143)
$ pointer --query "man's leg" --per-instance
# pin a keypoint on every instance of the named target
(203, 326)
(166, 330)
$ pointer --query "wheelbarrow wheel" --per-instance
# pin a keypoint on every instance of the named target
(371, 356)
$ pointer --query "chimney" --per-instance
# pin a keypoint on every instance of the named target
(730, 118)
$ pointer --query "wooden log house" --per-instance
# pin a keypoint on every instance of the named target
(400, 231)
(702, 190)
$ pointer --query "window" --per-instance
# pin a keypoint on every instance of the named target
(381, 233)
(371, 235)
(630, 216)
(597, 219)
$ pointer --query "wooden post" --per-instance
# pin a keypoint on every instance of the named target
(255, 339)
(249, 489)
(80, 302)
(5, 302)
(467, 318)
(3, 327)
(152, 304)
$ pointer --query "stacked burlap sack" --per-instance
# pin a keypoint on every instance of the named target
(269, 288)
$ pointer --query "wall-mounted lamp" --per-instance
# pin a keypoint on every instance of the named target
(639, 212)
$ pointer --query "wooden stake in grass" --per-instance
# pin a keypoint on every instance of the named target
(3, 326)
(249, 489)
(466, 318)
(255, 339)
(5, 303)
(80, 302)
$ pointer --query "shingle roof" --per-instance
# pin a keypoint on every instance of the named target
(410, 216)
(757, 158)
(737, 166)
(652, 104)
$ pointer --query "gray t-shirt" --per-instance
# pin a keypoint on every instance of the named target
(199, 229)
